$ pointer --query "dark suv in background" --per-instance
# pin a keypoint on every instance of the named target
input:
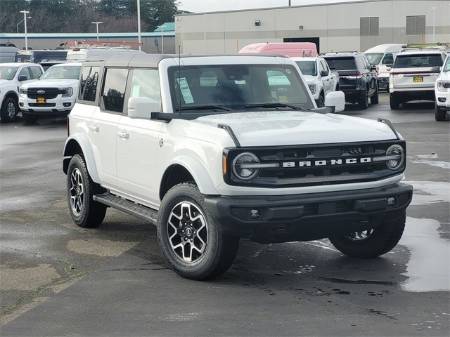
(358, 79)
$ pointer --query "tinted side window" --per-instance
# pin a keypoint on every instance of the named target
(83, 77)
(145, 83)
(114, 89)
(36, 72)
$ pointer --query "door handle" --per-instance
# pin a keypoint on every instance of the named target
(94, 128)
(123, 135)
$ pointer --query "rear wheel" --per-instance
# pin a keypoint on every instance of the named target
(394, 102)
(9, 109)
(364, 100)
(374, 99)
(85, 212)
(372, 242)
(194, 244)
(440, 114)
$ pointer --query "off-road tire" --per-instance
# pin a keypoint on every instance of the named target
(440, 115)
(383, 239)
(5, 115)
(91, 213)
(221, 248)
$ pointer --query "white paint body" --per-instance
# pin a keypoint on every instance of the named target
(129, 156)
(319, 84)
(443, 93)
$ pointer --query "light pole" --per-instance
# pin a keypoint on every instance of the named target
(96, 23)
(139, 22)
(17, 26)
(434, 24)
(25, 27)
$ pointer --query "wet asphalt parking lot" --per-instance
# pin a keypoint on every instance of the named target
(60, 280)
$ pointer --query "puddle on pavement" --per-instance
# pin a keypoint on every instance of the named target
(26, 278)
(99, 247)
(428, 268)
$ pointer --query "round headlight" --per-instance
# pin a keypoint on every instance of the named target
(396, 156)
(242, 166)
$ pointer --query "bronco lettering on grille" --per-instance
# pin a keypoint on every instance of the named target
(327, 162)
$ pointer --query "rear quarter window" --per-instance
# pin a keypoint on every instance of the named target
(88, 83)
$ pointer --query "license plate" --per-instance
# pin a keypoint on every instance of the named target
(418, 79)
(41, 100)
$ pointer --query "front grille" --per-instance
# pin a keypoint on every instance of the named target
(318, 164)
(42, 105)
(48, 93)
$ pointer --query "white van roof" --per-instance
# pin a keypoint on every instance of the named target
(386, 48)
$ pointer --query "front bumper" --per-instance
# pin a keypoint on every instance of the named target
(308, 216)
(61, 105)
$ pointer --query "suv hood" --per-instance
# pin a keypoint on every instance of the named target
(445, 76)
(4, 82)
(51, 83)
(276, 128)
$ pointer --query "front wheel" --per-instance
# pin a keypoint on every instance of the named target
(321, 100)
(373, 242)
(9, 110)
(194, 244)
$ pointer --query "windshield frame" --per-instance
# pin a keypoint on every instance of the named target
(182, 109)
(50, 69)
(13, 75)
(446, 66)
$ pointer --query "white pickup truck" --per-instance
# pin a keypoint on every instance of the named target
(12, 75)
(212, 149)
(317, 74)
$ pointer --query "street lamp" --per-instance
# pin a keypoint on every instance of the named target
(25, 27)
(434, 24)
(96, 23)
(139, 22)
(17, 26)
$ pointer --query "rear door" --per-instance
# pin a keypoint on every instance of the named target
(139, 152)
(103, 128)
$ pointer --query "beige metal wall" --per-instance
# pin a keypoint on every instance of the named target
(337, 26)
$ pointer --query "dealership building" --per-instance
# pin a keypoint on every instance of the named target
(347, 26)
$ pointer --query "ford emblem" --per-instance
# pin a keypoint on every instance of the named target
(40, 92)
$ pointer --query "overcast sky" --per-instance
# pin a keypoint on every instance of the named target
(221, 5)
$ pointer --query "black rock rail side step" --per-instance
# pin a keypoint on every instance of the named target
(127, 206)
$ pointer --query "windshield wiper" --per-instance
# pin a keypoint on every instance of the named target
(276, 105)
(203, 107)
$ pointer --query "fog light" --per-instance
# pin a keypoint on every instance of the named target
(254, 214)
(391, 201)
(67, 104)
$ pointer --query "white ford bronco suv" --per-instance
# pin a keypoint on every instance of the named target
(212, 149)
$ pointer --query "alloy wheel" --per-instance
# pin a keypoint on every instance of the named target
(11, 109)
(360, 236)
(187, 231)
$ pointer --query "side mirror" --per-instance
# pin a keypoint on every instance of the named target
(324, 73)
(336, 100)
(142, 107)
(22, 78)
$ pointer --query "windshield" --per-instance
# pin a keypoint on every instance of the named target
(447, 65)
(237, 86)
(62, 72)
(418, 61)
(308, 67)
(49, 55)
(374, 58)
(341, 63)
(7, 72)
